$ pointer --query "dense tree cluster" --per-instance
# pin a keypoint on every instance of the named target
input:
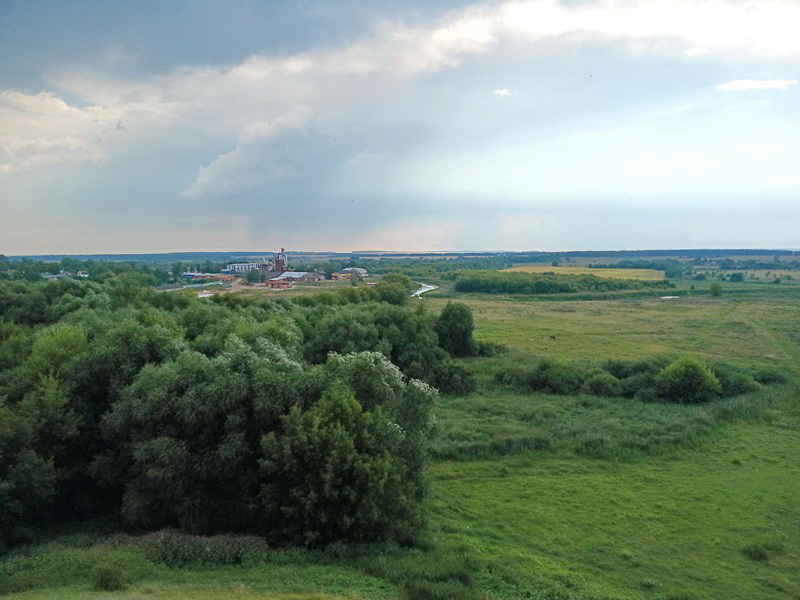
(503, 282)
(305, 421)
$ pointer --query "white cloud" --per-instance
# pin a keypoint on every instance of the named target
(249, 165)
(334, 83)
(42, 129)
(757, 84)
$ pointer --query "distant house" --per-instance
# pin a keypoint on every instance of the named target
(57, 276)
(83, 274)
(355, 271)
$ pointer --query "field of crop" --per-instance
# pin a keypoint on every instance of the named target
(610, 273)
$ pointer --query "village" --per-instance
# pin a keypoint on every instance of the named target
(273, 274)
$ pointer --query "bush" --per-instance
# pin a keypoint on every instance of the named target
(715, 289)
(687, 381)
(108, 578)
(602, 384)
(641, 386)
(769, 375)
(176, 549)
(454, 328)
(628, 368)
(733, 381)
(454, 378)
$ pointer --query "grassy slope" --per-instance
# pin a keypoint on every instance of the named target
(649, 526)
(606, 529)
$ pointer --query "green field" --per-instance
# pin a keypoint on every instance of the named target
(643, 274)
(555, 497)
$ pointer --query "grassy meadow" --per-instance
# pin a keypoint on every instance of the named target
(544, 497)
(609, 272)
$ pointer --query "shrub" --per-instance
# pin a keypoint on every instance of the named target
(715, 289)
(641, 386)
(687, 381)
(769, 375)
(602, 384)
(733, 381)
(176, 549)
(454, 328)
(555, 378)
(628, 368)
(108, 578)
(454, 378)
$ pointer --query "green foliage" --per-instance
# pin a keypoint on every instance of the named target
(715, 289)
(602, 384)
(687, 381)
(546, 376)
(500, 282)
(108, 578)
(454, 378)
(27, 479)
(333, 473)
(454, 328)
(176, 549)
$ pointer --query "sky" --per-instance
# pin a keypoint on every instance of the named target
(205, 125)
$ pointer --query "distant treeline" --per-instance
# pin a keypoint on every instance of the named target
(498, 282)
(147, 273)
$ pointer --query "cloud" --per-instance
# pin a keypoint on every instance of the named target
(41, 129)
(250, 164)
(755, 84)
(334, 83)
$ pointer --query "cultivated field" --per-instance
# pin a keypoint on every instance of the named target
(644, 274)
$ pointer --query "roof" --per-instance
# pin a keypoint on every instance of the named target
(287, 274)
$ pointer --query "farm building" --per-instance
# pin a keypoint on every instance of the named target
(341, 276)
(244, 268)
(279, 284)
(299, 276)
(358, 271)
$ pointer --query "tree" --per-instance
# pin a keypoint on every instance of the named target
(178, 269)
(454, 327)
(687, 381)
(715, 289)
(393, 293)
(253, 276)
(334, 474)
(26, 478)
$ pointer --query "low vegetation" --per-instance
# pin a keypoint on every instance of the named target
(506, 282)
